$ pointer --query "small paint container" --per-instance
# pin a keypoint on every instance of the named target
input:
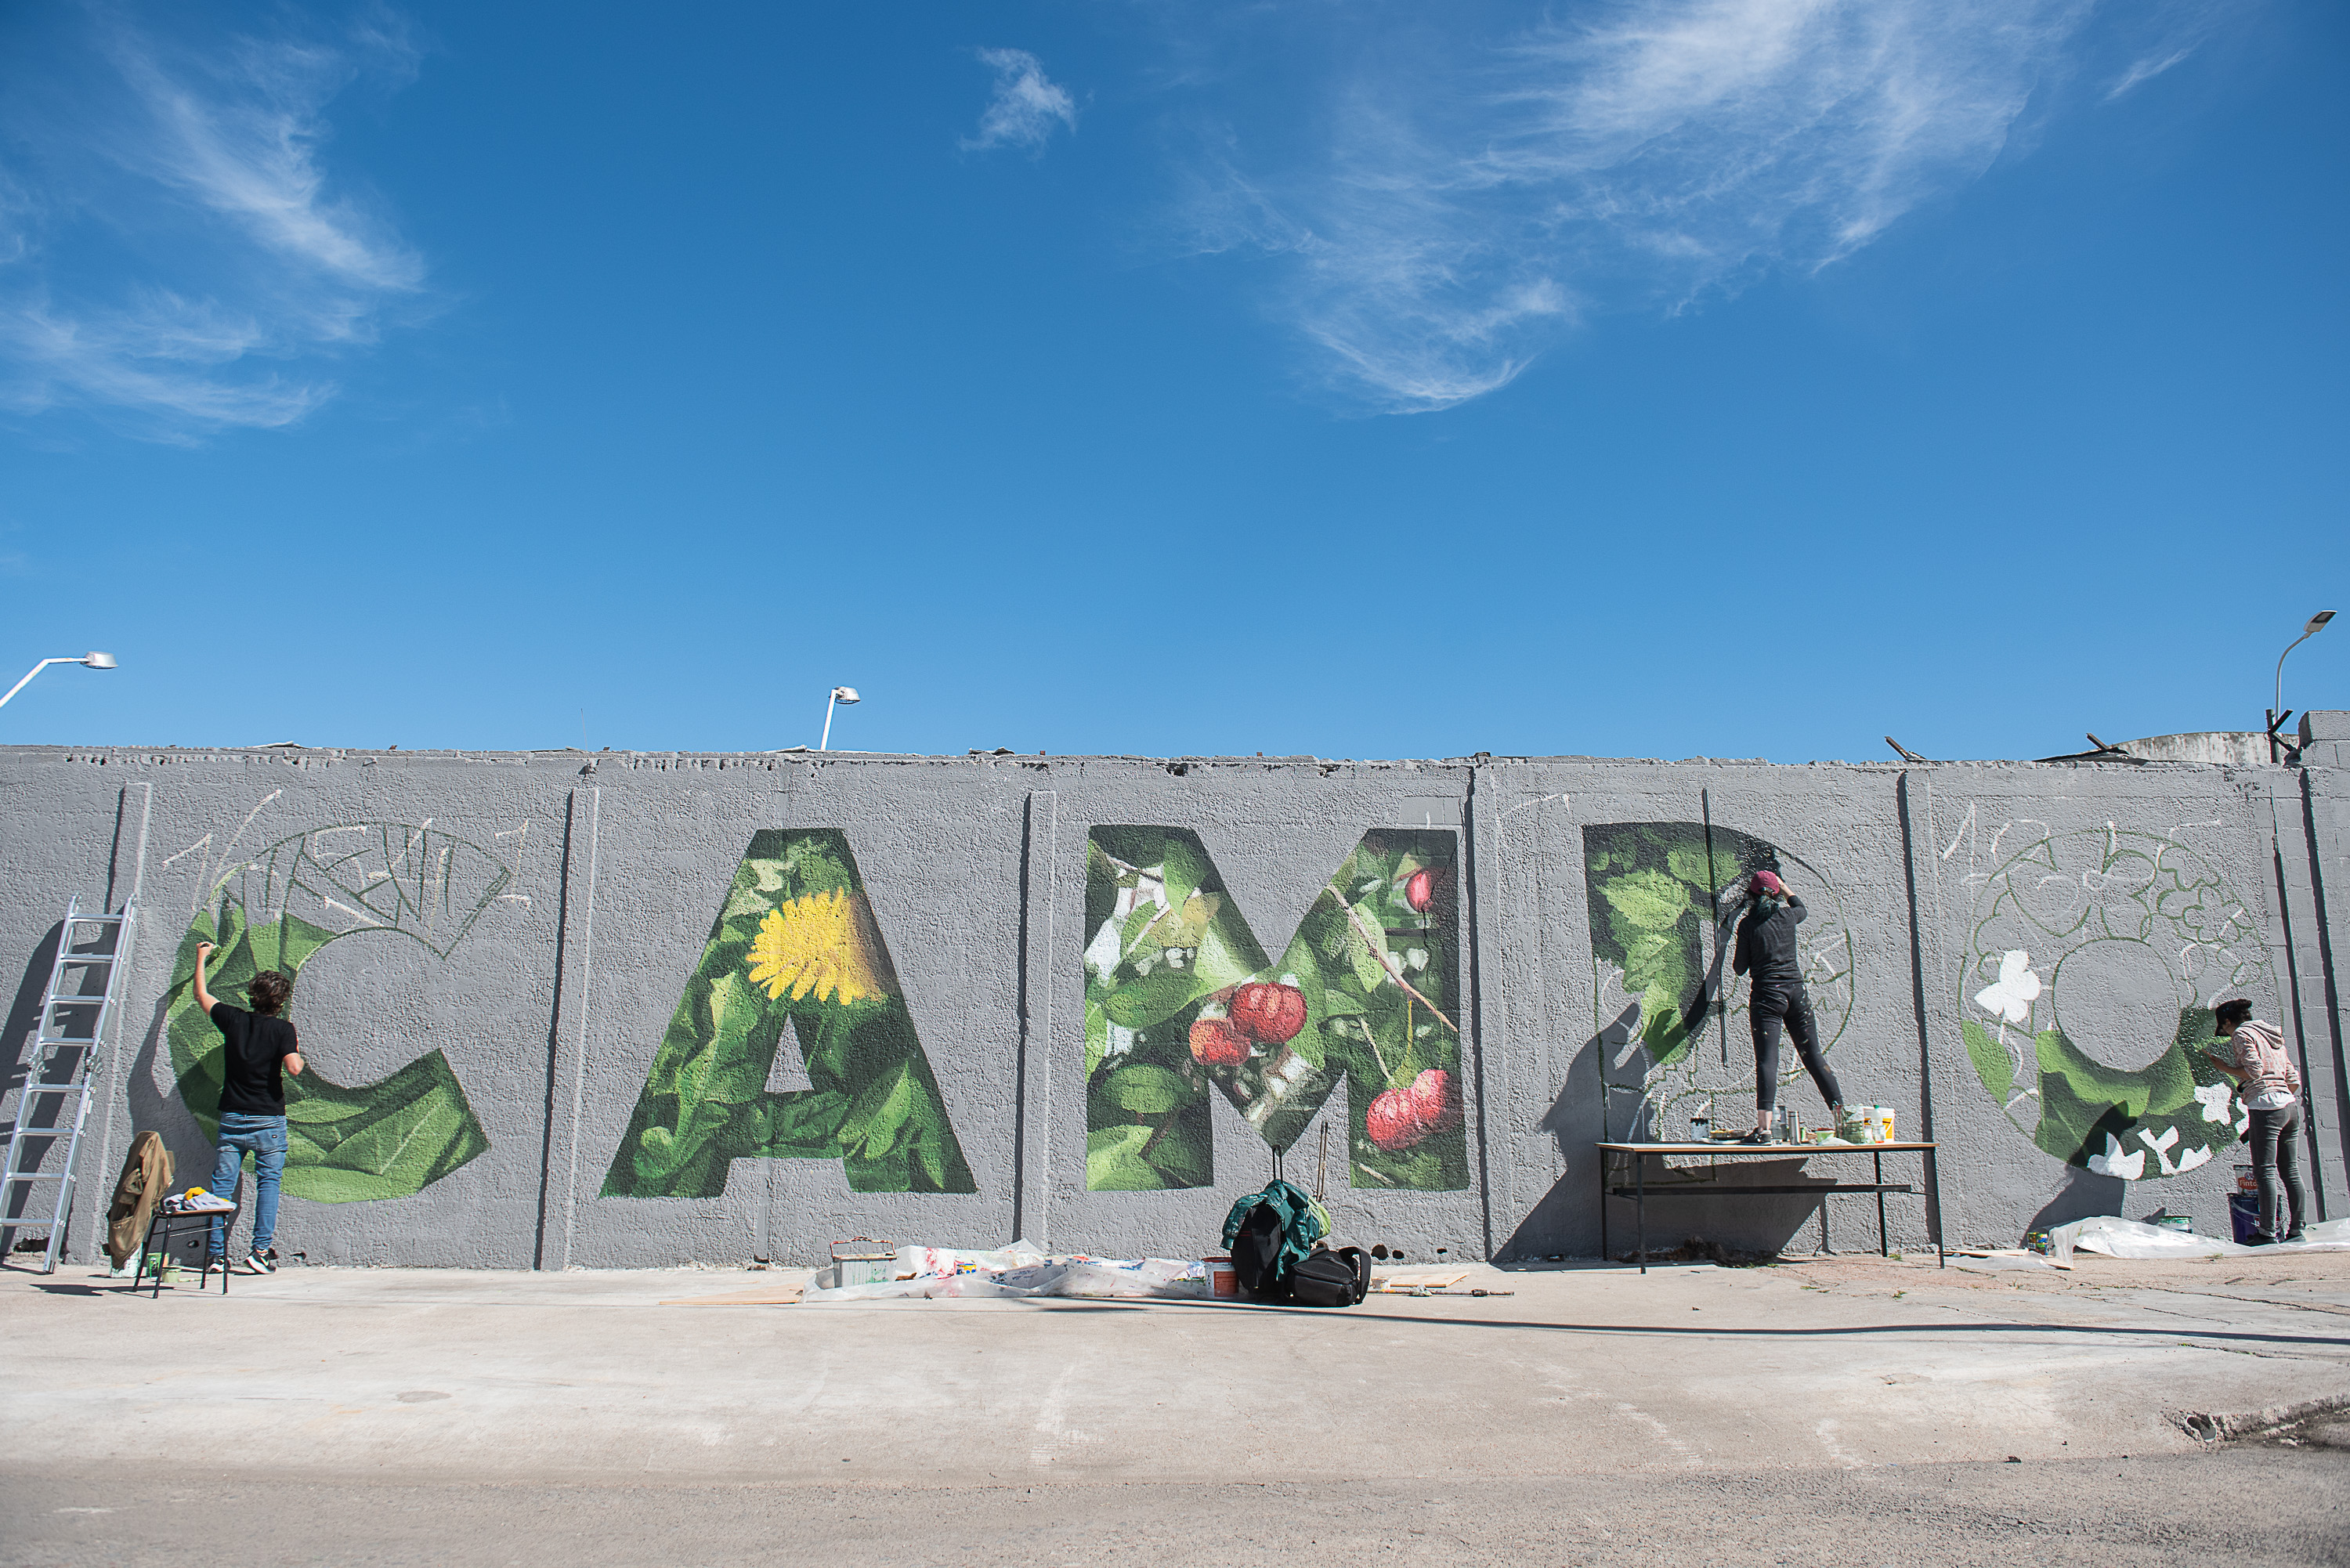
(1223, 1281)
(863, 1260)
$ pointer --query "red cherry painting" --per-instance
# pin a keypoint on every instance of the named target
(1392, 1124)
(1216, 1043)
(1434, 1099)
(1271, 1014)
(1420, 891)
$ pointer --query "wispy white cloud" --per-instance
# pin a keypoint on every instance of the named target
(2146, 70)
(1027, 107)
(176, 257)
(1475, 195)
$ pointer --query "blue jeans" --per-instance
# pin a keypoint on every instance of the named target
(263, 1137)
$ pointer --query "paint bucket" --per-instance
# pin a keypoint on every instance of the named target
(2243, 1215)
(1881, 1119)
(2246, 1181)
(1223, 1280)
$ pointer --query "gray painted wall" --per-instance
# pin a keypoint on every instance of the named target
(592, 882)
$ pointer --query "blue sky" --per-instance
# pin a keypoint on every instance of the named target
(1364, 380)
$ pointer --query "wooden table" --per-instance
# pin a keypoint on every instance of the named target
(1639, 1192)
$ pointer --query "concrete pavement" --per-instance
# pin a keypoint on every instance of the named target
(430, 1374)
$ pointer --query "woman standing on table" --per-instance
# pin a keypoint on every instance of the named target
(2271, 1087)
(1767, 947)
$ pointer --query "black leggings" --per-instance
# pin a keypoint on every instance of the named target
(2275, 1137)
(1771, 1006)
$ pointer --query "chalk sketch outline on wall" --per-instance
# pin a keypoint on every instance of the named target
(1651, 896)
(2045, 924)
(352, 1144)
(794, 953)
(1179, 998)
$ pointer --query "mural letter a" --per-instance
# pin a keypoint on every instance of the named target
(795, 945)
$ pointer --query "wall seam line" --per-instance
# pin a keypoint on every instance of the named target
(579, 1049)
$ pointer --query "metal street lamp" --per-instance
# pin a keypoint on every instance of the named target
(2316, 624)
(839, 694)
(95, 660)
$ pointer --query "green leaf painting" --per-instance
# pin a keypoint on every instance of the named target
(1651, 887)
(346, 1145)
(2064, 923)
(1181, 999)
(794, 953)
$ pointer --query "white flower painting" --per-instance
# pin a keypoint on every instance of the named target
(2010, 996)
(2214, 1098)
(2114, 1162)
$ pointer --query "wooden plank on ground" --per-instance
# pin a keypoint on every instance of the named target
(765, 1296)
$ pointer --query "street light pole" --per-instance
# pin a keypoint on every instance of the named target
(839, 694)
(2316, 624)
(95, 660)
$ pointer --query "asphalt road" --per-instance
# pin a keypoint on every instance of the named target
(2256, 1506)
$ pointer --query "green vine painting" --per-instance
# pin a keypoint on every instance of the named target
(1179, 998)
(1661, 978)
(2102, 945)
(346, 1144)
(794, 952)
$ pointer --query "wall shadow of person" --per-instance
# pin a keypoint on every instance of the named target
(1564, 1220)
(2084, 1195)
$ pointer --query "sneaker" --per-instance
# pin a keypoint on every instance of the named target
(2296, 1235)
(254, 1263)
(2260, 1238)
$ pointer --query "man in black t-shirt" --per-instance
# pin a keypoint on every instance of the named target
(258, 1045)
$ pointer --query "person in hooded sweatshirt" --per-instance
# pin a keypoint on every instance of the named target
(1766, 949)
(2271, 1087)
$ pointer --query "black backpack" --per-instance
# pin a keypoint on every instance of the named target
(1256, 1255)
(1331, 1278)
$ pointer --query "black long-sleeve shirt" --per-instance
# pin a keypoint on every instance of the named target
(1766, 944)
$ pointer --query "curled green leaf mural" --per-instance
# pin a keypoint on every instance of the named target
(346, 1143)
(794, 952)
(1179, 999)
(2091, 950)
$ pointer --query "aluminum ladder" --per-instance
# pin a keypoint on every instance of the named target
(93, 951)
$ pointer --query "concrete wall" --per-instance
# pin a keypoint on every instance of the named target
(532, 986)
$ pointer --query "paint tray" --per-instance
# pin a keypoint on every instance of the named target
(863, 1260)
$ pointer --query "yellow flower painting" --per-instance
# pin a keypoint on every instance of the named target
(814, 944)
(795, 962)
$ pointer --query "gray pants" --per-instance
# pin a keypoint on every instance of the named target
(2275, 1137)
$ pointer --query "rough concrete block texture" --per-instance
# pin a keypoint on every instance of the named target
(640, 1009)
